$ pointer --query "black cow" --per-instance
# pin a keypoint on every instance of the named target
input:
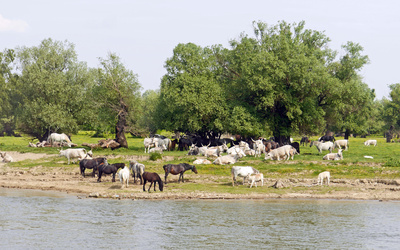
(327, 138)
(91, 164)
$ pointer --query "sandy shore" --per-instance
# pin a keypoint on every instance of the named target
(69, 180)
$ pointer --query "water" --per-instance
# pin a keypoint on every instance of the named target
(38, 220)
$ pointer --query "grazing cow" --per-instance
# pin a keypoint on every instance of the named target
(109, 169)
(242, 171)
(91, 164)
(226, 159)
(253, 179)
(124, 176)
(59, 138)
(341, 144)
(322, 146)
(277, 154)
(370, 142)
(304, 140)
(334, 156)
(137, 170)
(6, 157)
(326, 138)
(324, 175)
(72, 153)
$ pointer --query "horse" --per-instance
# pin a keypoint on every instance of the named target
(109, 169)
(152, 177)
(124, 176)
(137, 170)
(178, 169)
(91, 164)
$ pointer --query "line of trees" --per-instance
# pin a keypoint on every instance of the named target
(282, 80)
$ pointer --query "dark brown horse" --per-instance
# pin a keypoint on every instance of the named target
(91, 164)
(109, 169)
(152, 177)
(178, 169)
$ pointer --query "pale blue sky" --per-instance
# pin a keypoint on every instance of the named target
(144, 33)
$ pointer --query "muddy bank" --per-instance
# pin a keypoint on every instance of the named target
(69, 180)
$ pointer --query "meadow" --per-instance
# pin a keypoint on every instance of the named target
(384, 165)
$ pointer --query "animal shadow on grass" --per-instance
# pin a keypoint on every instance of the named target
(115, 186)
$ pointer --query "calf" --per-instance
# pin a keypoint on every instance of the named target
(6, 157)
(324, 175)
(253, 179)
(370, 142)
(334, 156)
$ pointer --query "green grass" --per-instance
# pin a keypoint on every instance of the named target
(385, 164)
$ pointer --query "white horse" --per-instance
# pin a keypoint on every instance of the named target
(124, 176)
(242, 171)
(137, 170)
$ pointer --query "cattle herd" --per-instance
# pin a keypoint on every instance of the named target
(222, 151)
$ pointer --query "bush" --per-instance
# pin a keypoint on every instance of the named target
(155, 156)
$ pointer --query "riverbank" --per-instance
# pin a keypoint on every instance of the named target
(69, 180)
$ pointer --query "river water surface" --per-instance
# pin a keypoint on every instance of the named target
(38, 220)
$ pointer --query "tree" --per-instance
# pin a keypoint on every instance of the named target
(7, 92)
(116, 94)
(191, 99)
(52, 89)
(281, 76)
(391, 107)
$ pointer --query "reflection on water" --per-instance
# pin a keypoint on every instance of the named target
(37, 220)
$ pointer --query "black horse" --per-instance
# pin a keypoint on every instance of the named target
(152, 177)
(91, 164)
(109, 169)
(178, 169)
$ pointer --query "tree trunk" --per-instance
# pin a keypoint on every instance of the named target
(120, 130)
(347, 134)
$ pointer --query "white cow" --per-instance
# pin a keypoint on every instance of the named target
(226, 159)
(242, 171)
(322, 146)
(124, 176)
(279, 153)
(324, 175)
(253, 179)
(6, 157)
(370, 142)
(137, 170)
(341, 144)
(72, 153)
(258, 147)
(201, 161)
(59, 139)
(334, 156)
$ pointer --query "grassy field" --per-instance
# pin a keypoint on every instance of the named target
(385, 162)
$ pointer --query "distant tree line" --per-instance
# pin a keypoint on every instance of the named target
(282, 80)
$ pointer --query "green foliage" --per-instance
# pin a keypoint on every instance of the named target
(392, 162)
(155, 156)
(52, 89)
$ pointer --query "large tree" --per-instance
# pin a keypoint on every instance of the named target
(52, 89)
(191, 99)
(7, 92)
(281, 76)
(116, 94)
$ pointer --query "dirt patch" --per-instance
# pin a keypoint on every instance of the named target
(69, 180)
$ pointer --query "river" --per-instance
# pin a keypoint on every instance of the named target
(40, 219)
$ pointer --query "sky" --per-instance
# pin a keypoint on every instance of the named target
(144, 33)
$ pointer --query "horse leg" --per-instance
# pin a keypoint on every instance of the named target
(113, 178)
(99, 179)
(155, 183)
(151, 183)
(141, 178)
(166, 174)
(94, 172)
(144, 184)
